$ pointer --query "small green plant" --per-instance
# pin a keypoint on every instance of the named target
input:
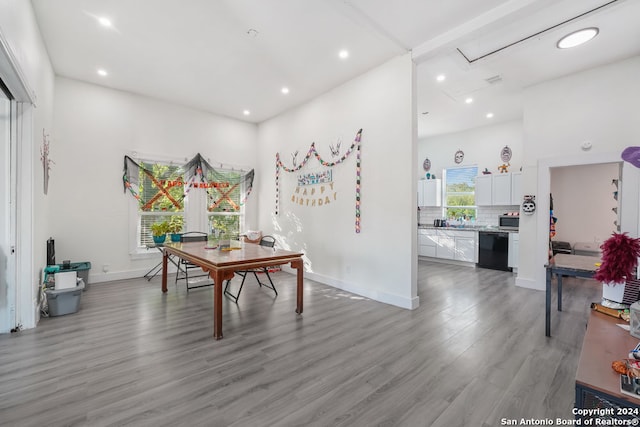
(176, 222)
(160, 228)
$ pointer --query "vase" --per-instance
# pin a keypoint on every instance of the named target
(175, 237)
(159, 239)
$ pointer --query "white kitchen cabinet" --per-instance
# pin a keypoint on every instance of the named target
(446, 248)
(516, 188)
(449, 244)
(501, 189)
(466, 248)
(496, 190)
(484, 190)
(427, 239)
(430, 192)
(514, 250)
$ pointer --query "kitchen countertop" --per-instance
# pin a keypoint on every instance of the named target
(468, 228)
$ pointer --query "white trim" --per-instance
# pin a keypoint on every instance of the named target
(384, 297)
(12, 74)
(542, 201)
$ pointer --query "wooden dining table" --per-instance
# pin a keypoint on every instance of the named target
(221, 265)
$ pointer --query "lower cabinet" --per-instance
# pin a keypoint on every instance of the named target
(447, 244)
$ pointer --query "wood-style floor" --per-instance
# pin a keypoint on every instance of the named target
(472, 354)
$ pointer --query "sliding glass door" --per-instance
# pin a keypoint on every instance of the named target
(8, 187)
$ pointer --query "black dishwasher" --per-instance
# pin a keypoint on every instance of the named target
(493, 250)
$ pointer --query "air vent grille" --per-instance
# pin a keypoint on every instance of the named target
(494, 79)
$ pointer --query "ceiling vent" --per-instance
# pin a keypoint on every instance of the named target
(494, 79)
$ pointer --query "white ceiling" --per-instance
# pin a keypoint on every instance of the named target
(225, 56)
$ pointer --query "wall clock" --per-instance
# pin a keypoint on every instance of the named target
(458, 157)
(426, 165)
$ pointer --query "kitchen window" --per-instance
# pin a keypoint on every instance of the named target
(459, 193)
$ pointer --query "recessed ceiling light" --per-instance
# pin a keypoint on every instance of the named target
(577, 38)
(102, 72)
(468, 100)
(105, 22)
(284, 90)
(441, 78)
(343, 54)
(246, 112)
(489, 115)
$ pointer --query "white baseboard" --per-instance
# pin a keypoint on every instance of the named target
(123, 275)
(530, 284)
(384, 297)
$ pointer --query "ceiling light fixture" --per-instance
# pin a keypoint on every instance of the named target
(246, 112)
(468, 100)
(441, 77)
(105, 22)
(577, 38)
(284, 90)
(102, 72)
(343, 54)
(489, 115)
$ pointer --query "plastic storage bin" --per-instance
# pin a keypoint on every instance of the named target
(64, 301)
(82, 268)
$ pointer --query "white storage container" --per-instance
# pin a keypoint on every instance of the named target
(586, 248)
(65, 280)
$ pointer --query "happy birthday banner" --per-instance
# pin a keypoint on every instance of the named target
(308, 197)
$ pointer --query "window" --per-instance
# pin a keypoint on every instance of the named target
(459, 197)
(224, 207)
(211, 201)
(161, 193)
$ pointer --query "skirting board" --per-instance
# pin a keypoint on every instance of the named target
(391, 299)
(530, 284)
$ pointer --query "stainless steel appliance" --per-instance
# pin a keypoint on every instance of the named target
(509, 222)
(493, 250)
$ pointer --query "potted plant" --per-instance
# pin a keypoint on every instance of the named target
(174, 227)
(159, 231)
(619, 260)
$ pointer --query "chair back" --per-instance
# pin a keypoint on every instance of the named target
(193, 236)
(268, 241)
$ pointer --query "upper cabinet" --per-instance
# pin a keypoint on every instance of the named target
(430, 192)
(499, 189)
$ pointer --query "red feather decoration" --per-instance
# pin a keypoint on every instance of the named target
(619, 258)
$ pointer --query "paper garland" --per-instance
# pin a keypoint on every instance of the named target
(312, 150)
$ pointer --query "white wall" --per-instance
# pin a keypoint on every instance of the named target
(381, 261)
(20, 31)
(94, 128)
(598, 105)
(481, 147)
(583, 202)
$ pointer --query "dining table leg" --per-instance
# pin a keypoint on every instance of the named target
(165, 257)
(217, 275)
(559, 280)
(298, 265)
(547, 308)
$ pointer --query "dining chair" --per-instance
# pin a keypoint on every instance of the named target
(266, 241)
(185, 266)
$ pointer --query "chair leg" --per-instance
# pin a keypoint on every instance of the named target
(270, 285)
(231, 295)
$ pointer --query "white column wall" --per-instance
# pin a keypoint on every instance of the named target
(381, 261)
